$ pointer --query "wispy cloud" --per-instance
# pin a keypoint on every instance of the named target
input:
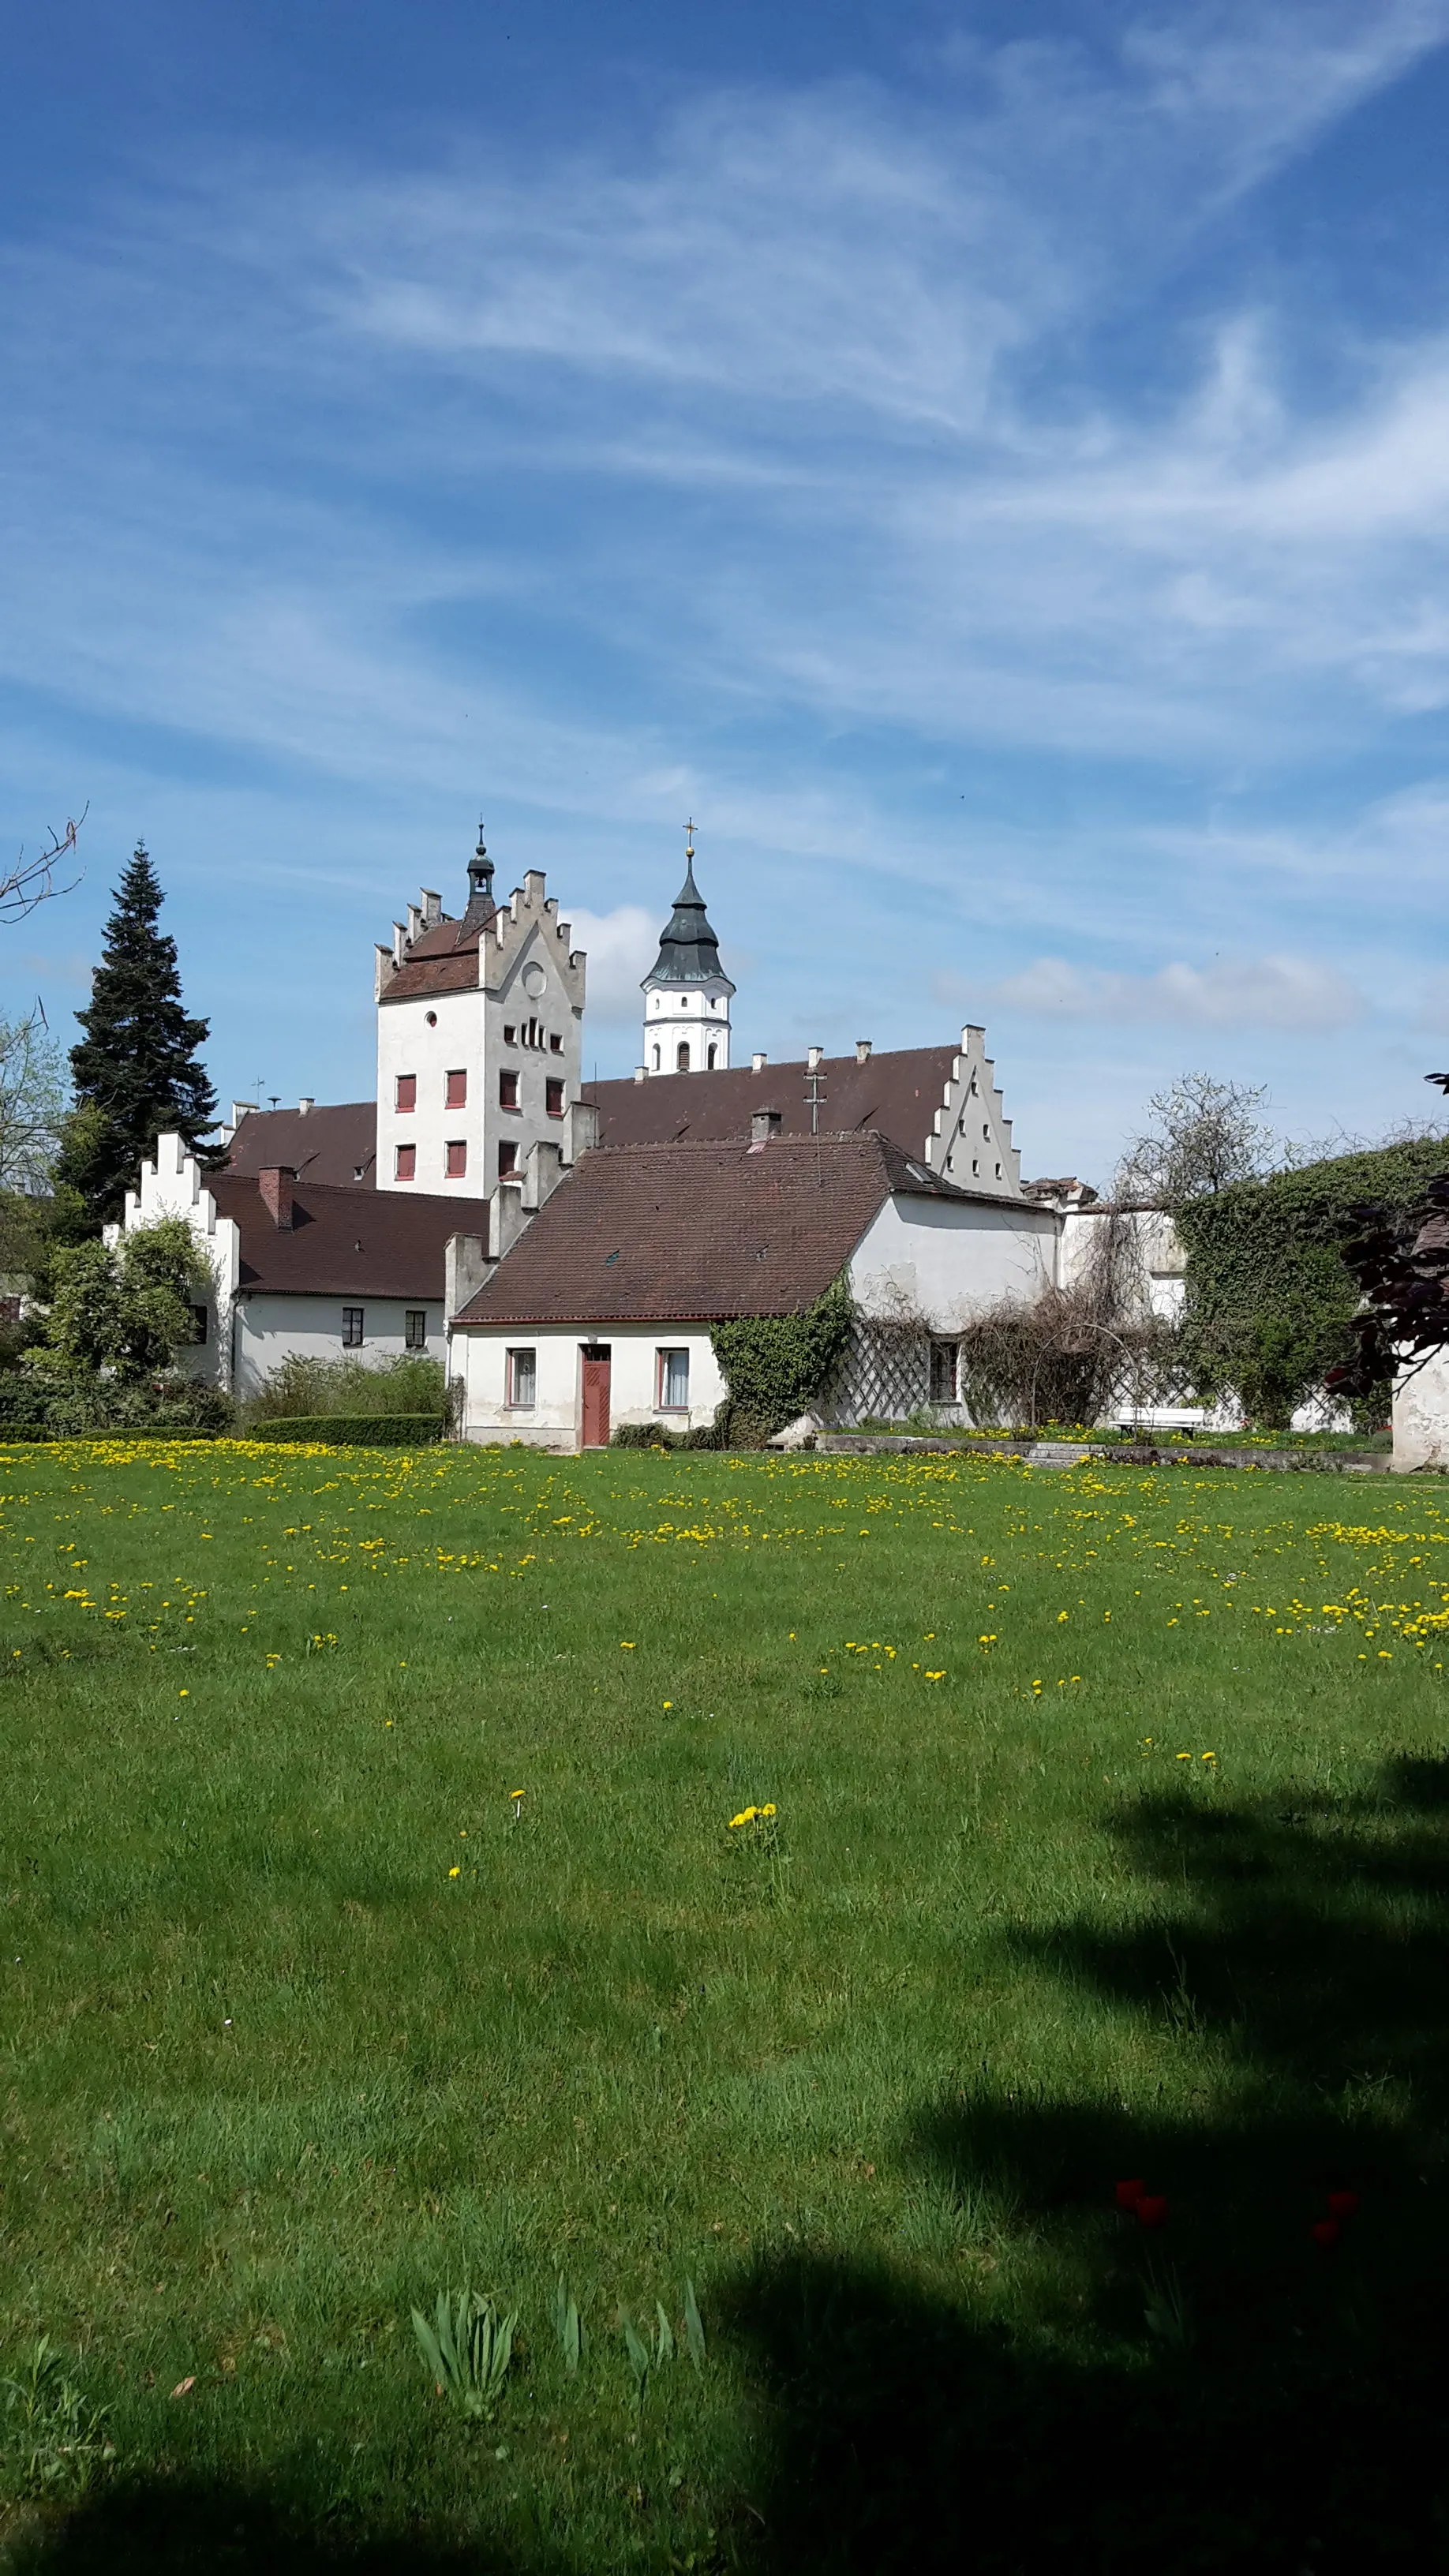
(1248, 992)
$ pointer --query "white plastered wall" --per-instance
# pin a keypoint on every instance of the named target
(693, 1015)
(555, 1419)
(969, 1138)
(270, 1328)
(175, 1185)
(407, 1045)
(944, 1258)
(1161, 1255)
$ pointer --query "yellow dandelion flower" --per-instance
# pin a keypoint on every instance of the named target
(455, 1873)
(746, 1816)
(767, 1811)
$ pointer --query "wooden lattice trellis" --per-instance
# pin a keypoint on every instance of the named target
(884, 1374)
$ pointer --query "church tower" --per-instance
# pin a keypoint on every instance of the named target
(687, 992)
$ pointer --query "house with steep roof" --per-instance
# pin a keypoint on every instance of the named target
(600, 1313)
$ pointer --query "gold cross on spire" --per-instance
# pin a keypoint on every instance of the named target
(689, 840)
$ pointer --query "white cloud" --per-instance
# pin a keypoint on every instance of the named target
(1248, 992)
(621, 947)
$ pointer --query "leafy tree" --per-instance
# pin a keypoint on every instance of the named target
(1204, 1136)
(32, 1104)
(136, 1071)
(126, 1310)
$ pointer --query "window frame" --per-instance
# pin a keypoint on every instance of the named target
(508, 1089)
(354, 1341)
(456, 1099)
(398, 1152)
(405, 1083)
(664, 1354)
(455, 1170)
(415, 1315)
(553, 1082)
(939, 1348)
(520, 1365)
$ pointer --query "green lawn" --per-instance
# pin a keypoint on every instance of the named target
(1110, 1845)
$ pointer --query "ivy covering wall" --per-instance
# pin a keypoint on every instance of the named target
(1269, 1298)
(776, 1365)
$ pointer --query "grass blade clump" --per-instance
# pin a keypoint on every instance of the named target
(467, 2346)
(567, 2327)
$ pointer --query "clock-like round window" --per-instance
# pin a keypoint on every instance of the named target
(535, 982)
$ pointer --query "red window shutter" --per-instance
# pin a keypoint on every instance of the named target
(553, 1099)
(507, 1159)
(407, 1091)
(457, 1091)
(508, 1090)
(407, 1163)
(457, 1160)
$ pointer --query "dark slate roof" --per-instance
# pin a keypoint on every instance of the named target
(689, 950)
(897, 1094)
(351, 1243)
(679, 1233)
(328, 1145)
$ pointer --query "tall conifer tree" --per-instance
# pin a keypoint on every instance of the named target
(136, 1070)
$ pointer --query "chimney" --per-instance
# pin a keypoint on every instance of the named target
(239, 1109)
(758, 1061)
(306, 1102)
(862, 1050)
(506, 1219)
(465, 1267)
(764, 1123)
(581, 1129)
(276, 1195)
(815, 1058)
(641, 1072)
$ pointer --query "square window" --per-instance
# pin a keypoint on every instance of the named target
(405, 1163)
(455, 1158)
(508, 1033)
(553, 1092)
(405, 1093)
(943, 1372)
(507, 1160)
(522, 1377)
(673, 1381)
(508, 1090)
(457, 1091)
(415, 1332)
(352, 1322)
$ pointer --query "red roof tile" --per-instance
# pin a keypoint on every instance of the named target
(897, 1094)
(690, 1232)
(325, 1145)
(353, 1243)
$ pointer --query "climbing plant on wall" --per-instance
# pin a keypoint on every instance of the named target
(1270, 1297)
(776, 1365)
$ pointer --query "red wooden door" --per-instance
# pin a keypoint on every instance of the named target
(596, 1398)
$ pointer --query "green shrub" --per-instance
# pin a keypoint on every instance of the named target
(775, 1365)
(658, 1435)
(354, 1430)
(37, 1405)
(1270, 1300)
(411, 1383)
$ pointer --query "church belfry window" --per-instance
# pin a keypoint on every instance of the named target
(681, 1057)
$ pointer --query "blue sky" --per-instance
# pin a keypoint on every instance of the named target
(990, 465)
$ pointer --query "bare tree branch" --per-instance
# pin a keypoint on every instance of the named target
(31, 882)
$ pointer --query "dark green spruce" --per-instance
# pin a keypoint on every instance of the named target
(137, 1071)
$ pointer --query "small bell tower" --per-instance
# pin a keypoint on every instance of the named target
(687, 993)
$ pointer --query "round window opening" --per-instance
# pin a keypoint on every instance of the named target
(432, 1019)
(534, 981)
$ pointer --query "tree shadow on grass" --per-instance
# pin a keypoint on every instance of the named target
(165, 2526)
(1220, 2389)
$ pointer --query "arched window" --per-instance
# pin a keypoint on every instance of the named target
(656, 1059)
(709, 1060)
(681, 1058)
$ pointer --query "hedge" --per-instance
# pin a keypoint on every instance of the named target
(353, 1430)
(1270, 1300)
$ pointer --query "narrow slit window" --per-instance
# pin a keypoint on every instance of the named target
(943, 1372)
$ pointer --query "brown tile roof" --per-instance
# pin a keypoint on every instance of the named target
(641, 1234)
(353, 1243)
(455, 973)
(897, 1094)
(317, 1144)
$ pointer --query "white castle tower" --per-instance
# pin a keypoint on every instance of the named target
(687, 992)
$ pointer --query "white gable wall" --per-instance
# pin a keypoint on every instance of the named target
(942, 1259)
(269, 1329)
(175, 1185)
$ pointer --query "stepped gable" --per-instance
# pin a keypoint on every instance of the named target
(345, 1243)
(336, 1145)
(677, 1233)
(896, 1094)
